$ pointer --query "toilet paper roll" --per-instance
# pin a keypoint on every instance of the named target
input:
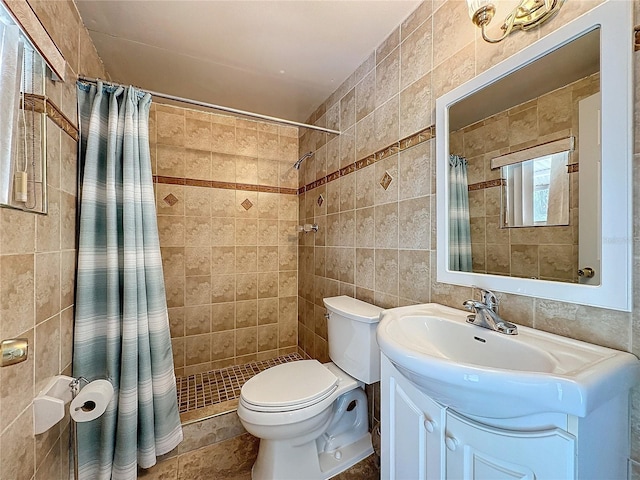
(92, 401)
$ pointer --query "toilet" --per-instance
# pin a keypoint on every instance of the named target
(312, 418)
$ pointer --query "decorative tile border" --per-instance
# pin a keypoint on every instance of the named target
(42, 104)
(192, 182)
(396, 147)
(488, 184)
(573, 167)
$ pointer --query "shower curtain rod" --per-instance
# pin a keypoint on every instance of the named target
(219, 107)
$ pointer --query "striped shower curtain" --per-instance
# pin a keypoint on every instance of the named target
(121, 320)
(459, 224)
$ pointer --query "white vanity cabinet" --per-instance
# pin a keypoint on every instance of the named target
(422, 439)
(411, 429)
(476, 451)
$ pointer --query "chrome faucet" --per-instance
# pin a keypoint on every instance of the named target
(485, 314)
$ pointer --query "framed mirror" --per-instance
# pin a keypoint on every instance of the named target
(570, 92)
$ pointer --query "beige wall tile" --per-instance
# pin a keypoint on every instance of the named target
(414, 221)
(222, 202)
(386, 226)
(197, 349)
(170, 160)
(229, 459)
(414, 274)
(170, 126)
(197, 319)
(416, 18)
(223, 316)
(267, 311)
(48, 226)
(222, 345)
(590, 324)
(17, 275)
(387, 76)
(67, 221)
(68, 164)
(365, 268)
(224, 166)
(198, 165)
(18, 231)
(47, 351)
(17, 388)
(386, 275)
(416, 55)
(223, 231)
(416, 106)
(17, 446)
(223, 288)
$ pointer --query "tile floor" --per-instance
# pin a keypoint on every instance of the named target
(217, 386)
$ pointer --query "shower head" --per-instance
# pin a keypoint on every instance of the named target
(301, 159)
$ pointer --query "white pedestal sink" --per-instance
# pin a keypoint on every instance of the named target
(460, 401)
(481, 372)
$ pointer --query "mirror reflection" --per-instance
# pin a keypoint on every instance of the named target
(535, 192)
(23, 123)
(520, 140)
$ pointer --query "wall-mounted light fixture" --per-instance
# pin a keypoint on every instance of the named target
(527, 15)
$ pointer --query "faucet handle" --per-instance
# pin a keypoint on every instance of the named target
(472, 305)
(489, 299)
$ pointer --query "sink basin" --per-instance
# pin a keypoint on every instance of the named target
(489, 374)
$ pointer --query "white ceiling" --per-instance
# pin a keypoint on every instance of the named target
(276, 57)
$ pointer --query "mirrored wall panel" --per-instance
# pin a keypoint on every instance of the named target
(23, 182)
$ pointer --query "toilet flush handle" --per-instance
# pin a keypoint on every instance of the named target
(327, 315)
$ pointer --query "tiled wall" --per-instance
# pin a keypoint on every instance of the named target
(37, 262)
(384, 239)
(227, 216)
(549, 253)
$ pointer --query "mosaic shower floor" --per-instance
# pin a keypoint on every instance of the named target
(219, 386)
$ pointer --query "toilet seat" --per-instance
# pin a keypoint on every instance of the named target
(288, 387)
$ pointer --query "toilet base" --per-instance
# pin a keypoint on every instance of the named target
(308, 464)
(349, 456)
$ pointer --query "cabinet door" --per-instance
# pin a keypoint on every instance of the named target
(478, 452)
(411, 432)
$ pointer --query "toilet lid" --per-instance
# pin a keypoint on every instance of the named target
(289, 386)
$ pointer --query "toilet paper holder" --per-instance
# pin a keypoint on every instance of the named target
(49, 404)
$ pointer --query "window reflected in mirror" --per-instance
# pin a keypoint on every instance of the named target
(535, 192)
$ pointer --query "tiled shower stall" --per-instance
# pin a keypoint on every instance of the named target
(227, 215)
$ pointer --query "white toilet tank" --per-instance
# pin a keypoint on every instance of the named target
(352, 337)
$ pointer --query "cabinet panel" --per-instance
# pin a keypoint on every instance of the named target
(407, 422)
(478, 452)
(411, 431)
